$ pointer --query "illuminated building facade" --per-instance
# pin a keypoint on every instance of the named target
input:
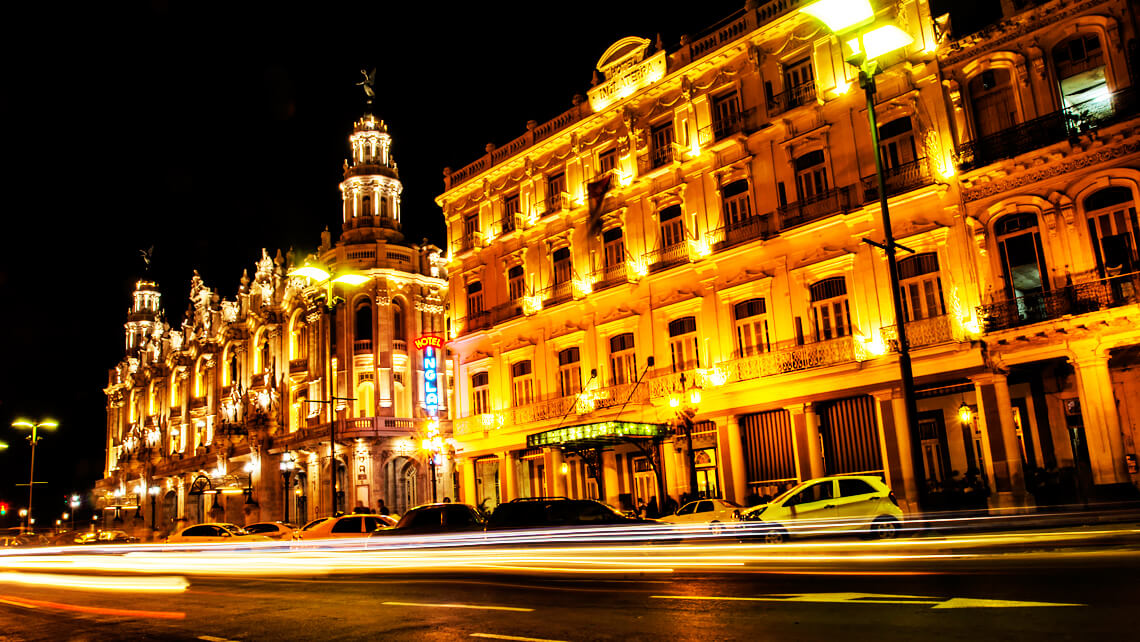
(726, 325)
(228, 414)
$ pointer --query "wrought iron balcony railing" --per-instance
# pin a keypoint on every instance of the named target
(899, 179)
(609, 276)
(507, 311)
(667, 257)
(815, 207)
(556, 293)
(793, 97)
(791, 359)
(1049, 129)
(741, 122)
(742, 231)
(1075, 299)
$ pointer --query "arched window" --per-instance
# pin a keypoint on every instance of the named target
(398, 331)
(1022, 259)
(991, 97)
(384, 207)
(920, 283)
(366, 205)
(830, 311)
(1113, 227)
(363, 321)
(683, 349)
(299, 340)
(263, 353)
(365, 394)
(199, 380)
(751, 327)
(1079, 62)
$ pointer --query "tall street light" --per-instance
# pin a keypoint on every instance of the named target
(686, 404)
(323, 278)
(854, 23)
(22, 424)
(287, 466)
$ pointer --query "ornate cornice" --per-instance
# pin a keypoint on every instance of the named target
(1007, 184)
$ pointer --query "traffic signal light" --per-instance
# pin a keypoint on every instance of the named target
(3, 509)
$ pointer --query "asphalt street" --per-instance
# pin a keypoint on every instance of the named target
(1061, 595)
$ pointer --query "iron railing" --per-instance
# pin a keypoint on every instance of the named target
(1048, 129)
(506, 311)
(474, 322)
(899, 179)
(1075, 299)
(666, 257)
(742, 231)
(791, 359)
(930, 331)
(741, 122)
(791, 98)
(609, 276)
(815, 207)
(362, 345)
(556, 293)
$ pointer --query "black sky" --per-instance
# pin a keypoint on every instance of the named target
(213, 130)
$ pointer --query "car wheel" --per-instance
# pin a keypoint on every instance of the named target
(885, 528)
(775, 535)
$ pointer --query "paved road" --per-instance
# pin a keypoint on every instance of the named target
(967, 601)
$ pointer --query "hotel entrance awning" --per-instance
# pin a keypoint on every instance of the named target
(596, 435)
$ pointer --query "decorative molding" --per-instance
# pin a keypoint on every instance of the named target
(1010, 183)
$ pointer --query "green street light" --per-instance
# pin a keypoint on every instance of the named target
(24, 424)
(324, 278)
(868, 39)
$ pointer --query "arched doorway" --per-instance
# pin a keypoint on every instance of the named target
(169, 509)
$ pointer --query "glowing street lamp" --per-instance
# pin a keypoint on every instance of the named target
(24, 424)
(287, 466)
(854, 23)
(324, 278)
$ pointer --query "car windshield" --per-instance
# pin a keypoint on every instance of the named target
(236, 530)
(261, 528)
(787, 493)
(313, 524)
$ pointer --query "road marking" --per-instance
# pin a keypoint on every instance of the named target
(97, 610)
(873, 598)
(460, 606)
(494, 636)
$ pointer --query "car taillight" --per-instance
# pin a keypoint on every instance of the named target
(891, 496)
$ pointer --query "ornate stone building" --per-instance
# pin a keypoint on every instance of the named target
(725, 330)
(228, 412)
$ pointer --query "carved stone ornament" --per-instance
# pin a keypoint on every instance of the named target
(1016, 181)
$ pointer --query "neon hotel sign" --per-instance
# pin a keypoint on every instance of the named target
(432, 345)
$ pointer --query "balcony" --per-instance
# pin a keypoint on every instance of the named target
(198, 402)
(507, 311)
(362, 346)
(792, 358)
(658, 156)
(363, 427)
(557, 293)
(468, 243)
(899, 179)
(816, 207)
(928, 332)
(399, 345)
(793, 97)
(474, 322)
(609, 276)
(742, 122)
(667, 257)
(1048, 129)
(1078, 298)
(743, 231)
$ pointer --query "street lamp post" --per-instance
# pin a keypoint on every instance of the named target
(686, 407)
(153, 492)
(325, 279)
(853, 22)
(22, 424)
(287, 466)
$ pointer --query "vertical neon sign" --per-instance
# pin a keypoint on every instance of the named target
(432, 346)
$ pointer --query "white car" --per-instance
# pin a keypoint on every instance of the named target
(839, 503)
(272, 530)
(714, 512)
(351, 525)
(216, 533)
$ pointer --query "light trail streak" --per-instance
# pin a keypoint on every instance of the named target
(495, 636)
(28, 603)
(483, 607)
(98, 582)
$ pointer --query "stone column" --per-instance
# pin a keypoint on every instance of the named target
(1101, 419)
(673, 478)
(805, 437)
(467, 470)
(508, 476)
(732, 451)
(999, 442)
(610, 476)
(555, 479)
(896, 441)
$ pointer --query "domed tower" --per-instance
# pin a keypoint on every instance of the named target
(144, 314)
(371, 187)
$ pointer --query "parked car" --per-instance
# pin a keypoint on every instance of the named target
(714, 512)
(542, 512)
(356, 525)
(839, 503)
(213, 534)
(430, 519)
(272, 530)
(114, 537)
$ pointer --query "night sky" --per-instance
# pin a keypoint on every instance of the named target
(210, 132)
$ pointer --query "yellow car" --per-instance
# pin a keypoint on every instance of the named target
(217, 533)
(829, 504)
(353, 525)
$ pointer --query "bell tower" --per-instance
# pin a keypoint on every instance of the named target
(371, 187)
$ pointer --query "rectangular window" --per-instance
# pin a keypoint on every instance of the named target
(510, 211)
(607, 161)
(751, 327)
(613, 245)
(474, 299)
(522, 383)
(555, 186)
(470, 224)
(480, 393)
(811, 176)
(672, 226)
(623, 359)
(569, 372)
(726, 115)
(799, 82)
(830, 310)
(896, 140)
(661, 144)
(920, 284)
(516, 283)
(737, 203)
(563, 269)
(683, 349)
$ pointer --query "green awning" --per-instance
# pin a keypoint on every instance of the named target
(598, 434)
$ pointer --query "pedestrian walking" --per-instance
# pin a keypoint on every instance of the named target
(382, 508)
